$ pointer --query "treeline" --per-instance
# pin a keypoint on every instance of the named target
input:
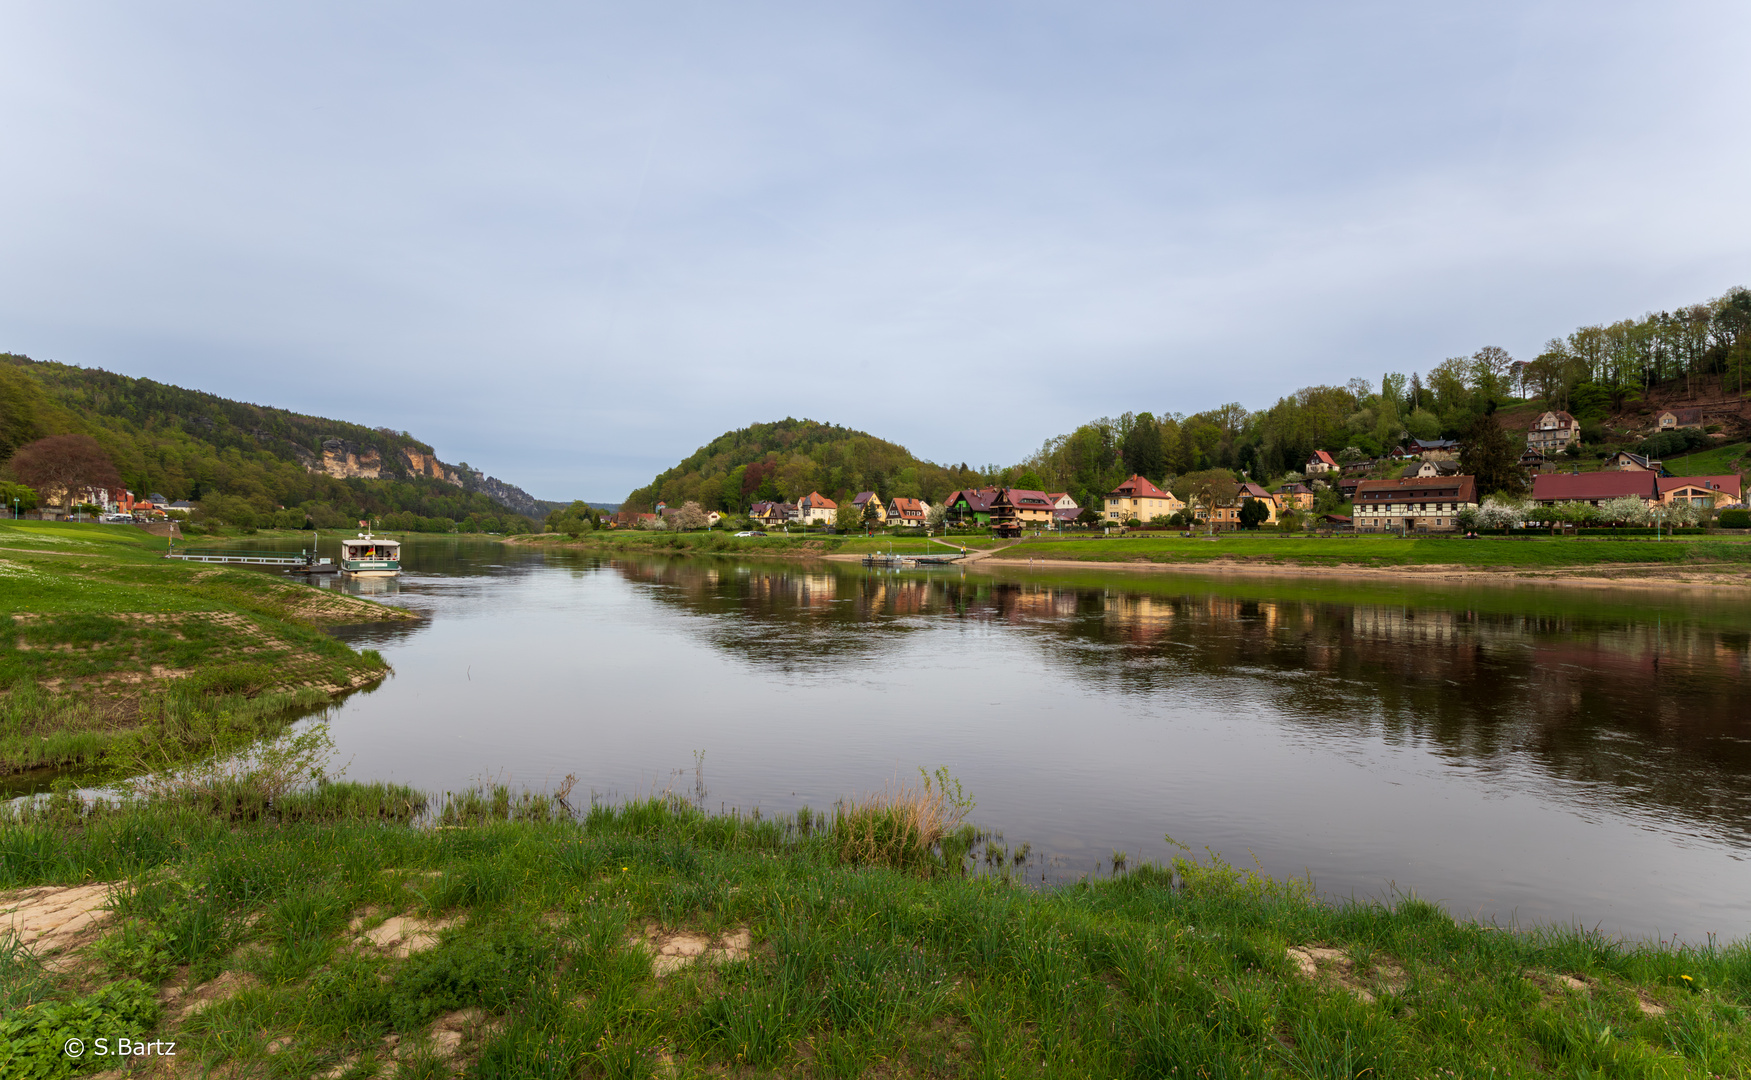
(1591, 373)
(242, 464)
(790, 458)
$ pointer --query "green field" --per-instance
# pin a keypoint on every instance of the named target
(1719, 461)
(330, 935)
(102, 638)
(1485, 552)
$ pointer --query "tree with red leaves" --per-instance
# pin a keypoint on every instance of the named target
(61, 467)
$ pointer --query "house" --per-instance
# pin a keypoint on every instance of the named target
(1431, 468)
(1250, 491)
(1347, 487)
(1359, 468)
(911, 513)
(772, 513)
(1061, 500)
(1138, 499)
(1435, 449)
(1413, 503)
(816, 509)
(1550, 489)
(1673, 419)
(1553, 432)
(1625, 461)
(1031, 507)
(1320, 462)
(1701, 492)
(1064, 519)
(862, 504)
(970, 505)
(1300, 496)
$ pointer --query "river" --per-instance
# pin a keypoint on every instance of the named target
(1523, 753)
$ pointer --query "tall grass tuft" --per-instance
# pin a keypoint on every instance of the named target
(903, 826)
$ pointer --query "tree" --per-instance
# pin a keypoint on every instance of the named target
(1488, 455)
(1253, 513)
(1210, 489)
(60, 467)
(1142, 447)
(577, 518)
(9, 491)
(690, 516)
(934, 516)
(847, 519)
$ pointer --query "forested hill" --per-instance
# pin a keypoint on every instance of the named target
(790, 458)
(254, 462)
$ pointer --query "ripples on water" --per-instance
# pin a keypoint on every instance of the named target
(1520, 752)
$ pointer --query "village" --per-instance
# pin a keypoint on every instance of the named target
(1417, 488)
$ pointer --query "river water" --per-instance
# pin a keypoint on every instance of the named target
(1522, 753)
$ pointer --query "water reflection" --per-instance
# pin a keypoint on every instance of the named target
(1649, 715)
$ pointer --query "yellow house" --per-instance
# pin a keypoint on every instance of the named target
(1138, 498)
(862, 503)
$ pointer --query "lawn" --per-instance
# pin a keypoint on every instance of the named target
(334, 935)
(101, 637)
(1718, 461)
(1486, 552)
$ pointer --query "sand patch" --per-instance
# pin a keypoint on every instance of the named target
(185, 1004)
(1336, 967)
(55, 921)
(672, 950)
(402, 935)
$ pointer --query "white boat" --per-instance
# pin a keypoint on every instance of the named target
(370, 556)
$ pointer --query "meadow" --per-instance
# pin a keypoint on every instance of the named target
(340, 930)
(101, 639)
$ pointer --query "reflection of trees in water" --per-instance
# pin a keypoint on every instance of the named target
(1651, 715)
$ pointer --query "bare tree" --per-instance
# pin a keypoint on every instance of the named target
(61, 467)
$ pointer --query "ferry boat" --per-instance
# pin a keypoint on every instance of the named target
(370, 556)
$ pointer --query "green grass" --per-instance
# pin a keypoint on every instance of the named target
(101, 636)
(854, 970)
(1719, 461)
(1486, 552)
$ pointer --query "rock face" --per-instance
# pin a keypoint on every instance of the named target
(342, 459)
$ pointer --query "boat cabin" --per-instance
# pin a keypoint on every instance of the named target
(370, 556)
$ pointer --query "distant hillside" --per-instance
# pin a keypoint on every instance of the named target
(270, 462)
(790, 458)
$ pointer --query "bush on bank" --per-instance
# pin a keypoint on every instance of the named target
(946, 966)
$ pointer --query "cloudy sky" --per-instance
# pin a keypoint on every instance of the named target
(569, 243)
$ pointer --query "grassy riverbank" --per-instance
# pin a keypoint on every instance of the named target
(1535, 553)
(102, 640)
(330, 936)
(718, 542)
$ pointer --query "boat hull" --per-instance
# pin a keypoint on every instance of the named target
(371, 567)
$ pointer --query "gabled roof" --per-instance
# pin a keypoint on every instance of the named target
(1593, 486)
(1032, 500)
(1252, 490)
(1324, 457)
(1139, 488)
(1436, 444)
(863, 497)
(1562, 418)
(1730, 483)
(1420, 488)
(908, 507)
(1294, 489)
(978, 499)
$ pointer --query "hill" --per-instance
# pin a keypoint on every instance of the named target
(253, 464)
(788, 459)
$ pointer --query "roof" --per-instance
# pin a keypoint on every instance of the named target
(1561, 417)
(1066, 515)
(1032, 500)
(978, 500)
(1685, 416)
(1593, 486)
(863, 497)
(1323, 456)
(1139, 488)
(814, 500)
(1436, 444)
(1729, 483)
(1645, 462)
(1445, 467)
(908, 507)
(1252, 490)
(1456, 488)
(1294, 489)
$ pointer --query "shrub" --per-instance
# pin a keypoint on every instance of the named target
(1735, 519)
(901, 827)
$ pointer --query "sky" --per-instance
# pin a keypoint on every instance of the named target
(570, 243)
